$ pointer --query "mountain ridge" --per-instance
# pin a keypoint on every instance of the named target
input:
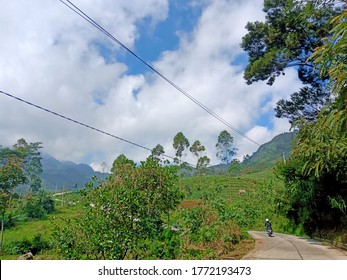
(66, 175)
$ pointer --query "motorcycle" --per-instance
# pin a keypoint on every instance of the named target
(269, 231)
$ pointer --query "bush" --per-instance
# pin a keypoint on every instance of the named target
(36, 245)
(38, 206)
(122, 213)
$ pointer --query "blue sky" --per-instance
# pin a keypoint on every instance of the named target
(57, 60)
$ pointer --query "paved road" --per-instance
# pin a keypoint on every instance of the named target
(289, 247)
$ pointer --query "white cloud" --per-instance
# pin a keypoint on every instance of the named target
(52, 57)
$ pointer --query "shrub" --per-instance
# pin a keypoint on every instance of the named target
(36, 245)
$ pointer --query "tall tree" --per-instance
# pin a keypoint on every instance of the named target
(157, 152)
(291, 32)
(197, 149)
(225, 149)
(180, 143)
(203, 162)
(31, 163)
(11, 175)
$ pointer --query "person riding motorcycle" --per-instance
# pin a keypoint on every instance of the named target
(268, 227)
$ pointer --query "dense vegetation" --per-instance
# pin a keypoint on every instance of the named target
(151, 211)
(310, 35)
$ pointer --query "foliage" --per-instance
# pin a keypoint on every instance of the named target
(234, 167)
(11, 175)
(157, 153)
(268, 154)
(224, 147)
(120, 162)
(290, 34)
(173, 242)
(254, 205)
(305, 104)
(122, 214)
(197, 149)
(31, 162)
(316, 174)
(331, 58)
(338, 203)
(317, 170)
(38, 206)
(203, 162)
(167, 246)
(180, 143)
(36, 245)
(207, 230)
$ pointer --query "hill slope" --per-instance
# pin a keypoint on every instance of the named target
(58, 175)
(271, 152)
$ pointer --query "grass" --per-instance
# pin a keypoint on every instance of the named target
(28, 230)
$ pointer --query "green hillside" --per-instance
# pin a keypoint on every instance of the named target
(268, 154)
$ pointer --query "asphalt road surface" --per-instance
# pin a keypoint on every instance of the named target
(289, 247)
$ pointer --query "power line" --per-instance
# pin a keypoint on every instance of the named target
(79, 12)
(82, 124)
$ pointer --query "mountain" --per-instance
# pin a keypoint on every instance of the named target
(270, 153)
(65, 175)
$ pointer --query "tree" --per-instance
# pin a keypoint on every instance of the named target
(316, 174)
(331, 58)
(124, 214)
(203, 162)
(291, 32)
(197, 149)
(119, 162)
(180, 143)
(224, 147)
(305, 104)
(157, 152)
(31, 163)
(11, 175)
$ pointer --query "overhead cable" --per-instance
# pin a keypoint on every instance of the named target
(82, 124)
(82, 14)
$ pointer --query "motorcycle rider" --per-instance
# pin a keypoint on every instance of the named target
(268, 225)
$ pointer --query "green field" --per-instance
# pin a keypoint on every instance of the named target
(226, 187)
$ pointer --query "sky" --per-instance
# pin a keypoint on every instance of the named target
(53, 58)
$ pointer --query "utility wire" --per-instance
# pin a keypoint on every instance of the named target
(82, 124)
(79, 12)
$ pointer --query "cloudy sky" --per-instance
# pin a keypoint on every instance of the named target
(53, 58)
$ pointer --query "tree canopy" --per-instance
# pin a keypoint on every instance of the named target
(225, 149)
(180, 143)
(290, 34)
(119, 162)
